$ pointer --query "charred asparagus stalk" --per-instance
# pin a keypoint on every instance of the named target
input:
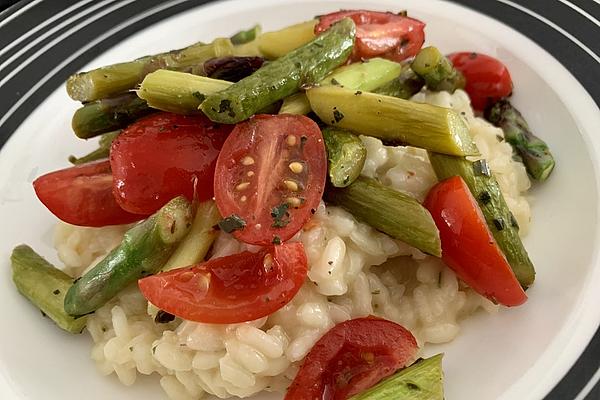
(389, 211)
(500, 220)
(437, 71)
(143, 251)
(108, 114)
(534, 152)
(117, 78)
(393, 120)
(45, 286)
(404, 86)
(346, 155)
(103, 150)
(421, 381)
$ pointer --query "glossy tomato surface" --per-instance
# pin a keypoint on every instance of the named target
(353, 356)
(468, 246)
(82, 195)
(159, 157)
(237, 288)
(271, 174)
(380, 34)
(488, 79)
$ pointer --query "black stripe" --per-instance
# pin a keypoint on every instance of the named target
(591, 7)
(11, 7)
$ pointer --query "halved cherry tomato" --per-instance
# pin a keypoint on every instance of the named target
(468, 246)
(271, 173)
(353, 356)
(158, 157)
(82, 195)
(488, 80)
(232, 289)
(380, 34)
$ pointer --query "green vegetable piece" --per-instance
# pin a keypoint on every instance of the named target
(243, 37)
(495, 210)
(282, 77)
(389, 211)
(346, 155)
(144, 250)
(45, 286)
(178, 92)
(232, 223)
(437, 71)
(424, 380)
(118, 78)
(404, 86)
(103, 150)
(393, 120)
(278, 43)
(194, 247)
(107, 115)
(295, 104)
(534, 152)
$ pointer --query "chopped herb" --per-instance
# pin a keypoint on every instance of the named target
(499, 223)
(484, 197)
(130, 348)
(335, 82)
(412, 386)
(43, 314)
(312, 211)
(481, 167)
(281, 216)
(163, 317)
(357, 93)
(440, 279)
(276, 240)
(267, 299)
(473, 56)
(337, 116)
(499, 138)
(199, 96)
(330, 262)
(232, 223)
(56, 292)
(374, 292)
(513, 221)
(225, 105)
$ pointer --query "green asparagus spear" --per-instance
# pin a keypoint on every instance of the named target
(278, 43)
(196, 244)
(534, 151)
(178, 92)
(389, 211)
(437, 71)
(424, 380)
(103, 150)
(404, 86)
(392, 119)
(346, 154)
(117, 78)
(500, 220)
(282, 77)
(295, 104)
(143, 251)
(108, 114)
(45, 286)
(243, 37)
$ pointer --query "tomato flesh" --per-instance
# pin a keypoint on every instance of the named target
(231, 289)
(488, 80)
(468, 246)
(380, 34)
(82, 195)
(271, 173)
(159, 157)
(353, 356)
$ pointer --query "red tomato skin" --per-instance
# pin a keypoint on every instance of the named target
(380, 34)
(226, 290)
(264, 139)
(488, 80)
(82, 195)
(351, 357)
(468, 246)
(158, 157)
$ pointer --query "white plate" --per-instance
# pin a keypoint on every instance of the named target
(517, 354)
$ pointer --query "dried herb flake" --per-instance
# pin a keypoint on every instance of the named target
(232, 223)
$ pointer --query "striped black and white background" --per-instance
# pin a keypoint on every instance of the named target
(42, 42)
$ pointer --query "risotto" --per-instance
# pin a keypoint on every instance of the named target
(354, 271)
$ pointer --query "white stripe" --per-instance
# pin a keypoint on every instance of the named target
(42, 25)
(553, 25)
(19, 12)
(589, 387)
(581, 11)
(82, 50)
(60, 38)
